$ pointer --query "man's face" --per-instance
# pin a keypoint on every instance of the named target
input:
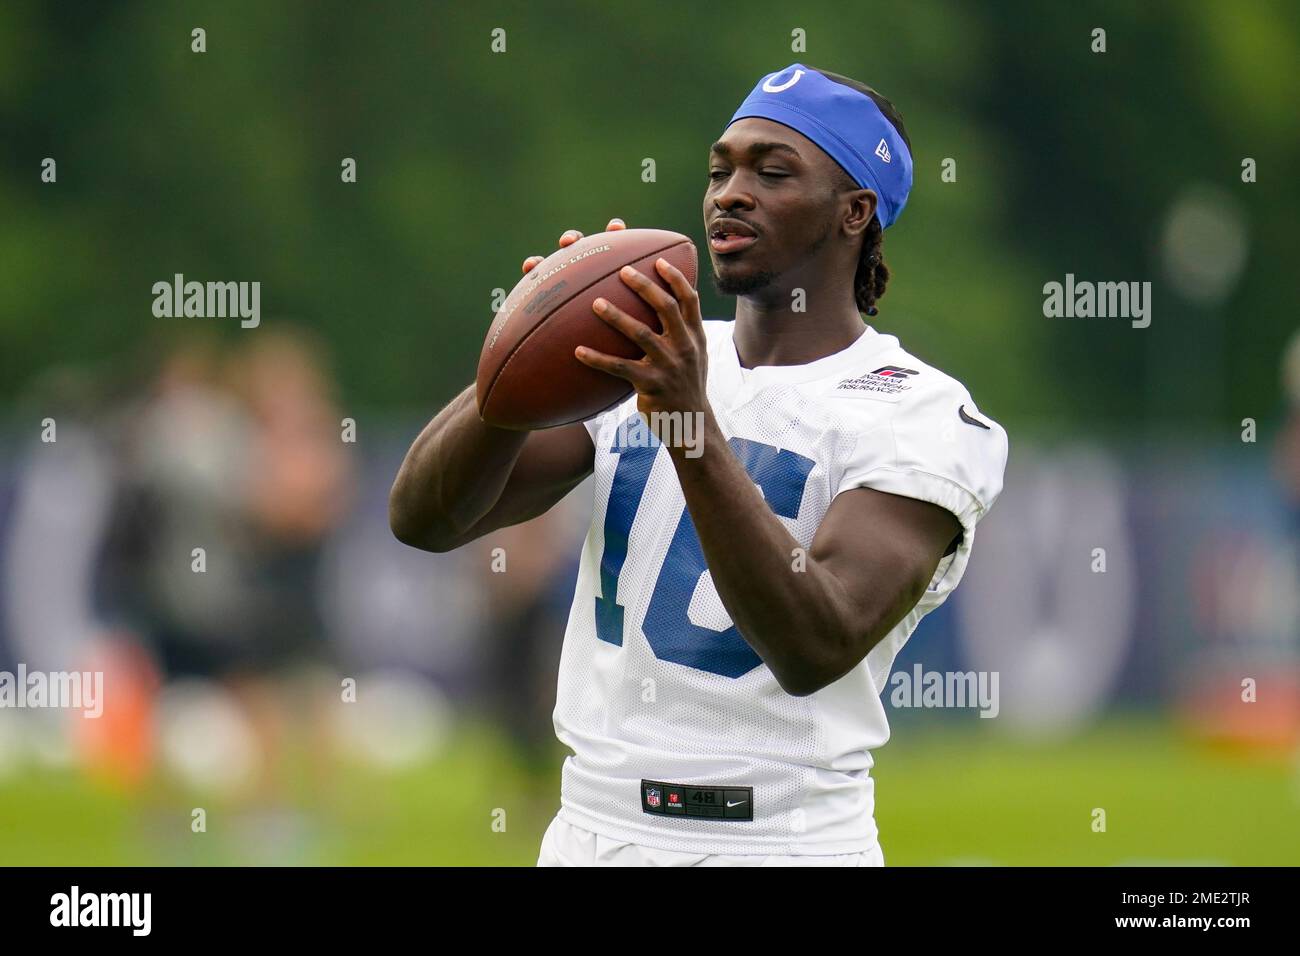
(777, 189)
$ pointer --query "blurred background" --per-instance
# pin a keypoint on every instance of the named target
(326, 695)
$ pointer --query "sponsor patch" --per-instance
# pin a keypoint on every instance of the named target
(885, 383)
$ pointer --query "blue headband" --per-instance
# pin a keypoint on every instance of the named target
(845, 123)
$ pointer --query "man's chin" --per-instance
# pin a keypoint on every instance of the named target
(742, 283)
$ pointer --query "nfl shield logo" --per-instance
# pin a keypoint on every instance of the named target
(652, 797)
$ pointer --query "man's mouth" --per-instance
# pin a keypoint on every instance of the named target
(728, 236)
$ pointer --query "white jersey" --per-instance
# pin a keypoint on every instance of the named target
(682, 738)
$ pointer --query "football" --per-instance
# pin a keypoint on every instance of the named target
(528, 377)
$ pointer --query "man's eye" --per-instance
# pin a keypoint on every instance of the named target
(716, 173)
(774, 173)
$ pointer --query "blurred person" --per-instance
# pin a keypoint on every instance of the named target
(298, 486)
(240, 456)
(182, 450)
(722, 668)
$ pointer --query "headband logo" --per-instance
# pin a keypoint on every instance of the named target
(769, 88)
(883, 150)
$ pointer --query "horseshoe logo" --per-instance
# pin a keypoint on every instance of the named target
(769, 88)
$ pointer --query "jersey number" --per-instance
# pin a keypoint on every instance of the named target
(782, 476)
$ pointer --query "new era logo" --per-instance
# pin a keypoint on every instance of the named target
(883, 150)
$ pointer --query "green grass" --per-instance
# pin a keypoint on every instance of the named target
(943, 796)
(975, 797)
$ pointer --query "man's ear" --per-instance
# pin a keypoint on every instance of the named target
(862, 209)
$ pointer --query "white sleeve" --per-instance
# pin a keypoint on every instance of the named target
(935, 448)
(609, 418)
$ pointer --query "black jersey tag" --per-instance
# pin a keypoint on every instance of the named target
(682, 800)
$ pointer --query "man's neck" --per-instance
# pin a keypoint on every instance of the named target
(767, 335)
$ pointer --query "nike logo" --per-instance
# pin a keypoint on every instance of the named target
(961, 410)
(736, 803)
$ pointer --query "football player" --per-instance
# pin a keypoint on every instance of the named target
(741, 599)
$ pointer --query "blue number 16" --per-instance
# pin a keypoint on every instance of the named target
(782, 476)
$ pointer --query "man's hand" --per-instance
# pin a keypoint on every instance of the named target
(671, 376)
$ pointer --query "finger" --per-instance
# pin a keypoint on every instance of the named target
(636, 332)
(688, 300)
(615, 225)
(531, 262)
(569, 238)
(662, 302)
(609, 364)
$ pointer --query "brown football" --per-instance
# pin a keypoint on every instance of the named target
(528, 376)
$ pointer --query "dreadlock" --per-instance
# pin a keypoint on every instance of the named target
(872, 274)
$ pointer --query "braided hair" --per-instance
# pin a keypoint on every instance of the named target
(872, 274)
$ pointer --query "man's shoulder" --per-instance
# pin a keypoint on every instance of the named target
(919, 403)
(919, 428)
(892, 375)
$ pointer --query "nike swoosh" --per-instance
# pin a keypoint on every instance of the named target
(737, 803)
(961, 410)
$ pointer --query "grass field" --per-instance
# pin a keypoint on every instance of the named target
(945, 796)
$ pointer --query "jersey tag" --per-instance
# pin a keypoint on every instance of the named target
(680, 800)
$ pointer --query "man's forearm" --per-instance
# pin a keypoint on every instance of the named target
(797, 621)
(453, 474)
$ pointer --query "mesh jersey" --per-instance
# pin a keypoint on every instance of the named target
(656, 683)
